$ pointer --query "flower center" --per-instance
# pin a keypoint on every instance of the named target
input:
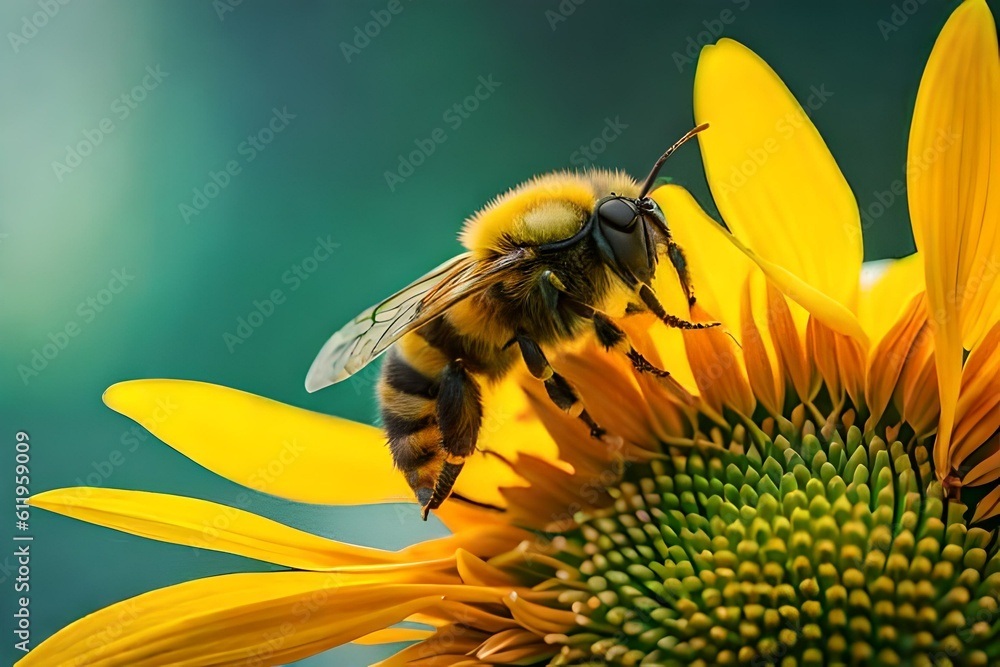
(801, 550)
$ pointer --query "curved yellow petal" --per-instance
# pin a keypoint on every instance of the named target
(207, 525)
(826, 309)
(271, 618)
(788, 346)
(839, 359)
(885, 367)
(451, 646)
(509, 427)
(714, 264)
(773, 178)
(766, 377)
(394, 635)
(953, 194)
(887, 287)
(265, 445)
(718, 369)
(916, 395)
(977, 416)
(463, 518)
(988, 507)
(662, 346)
(984, 472)
(482, 478)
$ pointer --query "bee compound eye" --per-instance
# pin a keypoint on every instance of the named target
(618, 213)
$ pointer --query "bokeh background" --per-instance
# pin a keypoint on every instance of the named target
(212, 74)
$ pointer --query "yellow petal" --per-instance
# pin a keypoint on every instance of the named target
(840, 360)
(555, 496)
(263, 444)
(984, 472)
(887, 287)
(773, 178)
(718, 369)
(393, 635)
(460, 517)
(759, 357)
(916, 395)
(988, 507)
(611, 393)
(953, 194)
(662, 346)
(477, 572)
(890, 354)
(450, 646)
(509, 427)
(268, 618)
(714, 264)
(788, 344)
(538, 618)
(485, 540)
(482, 478)
(515, 647)
(207, 525)
(827, 310)
(977, 416)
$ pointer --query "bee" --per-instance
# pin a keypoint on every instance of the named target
(549, 261)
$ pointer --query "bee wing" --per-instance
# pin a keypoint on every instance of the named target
(372, 332)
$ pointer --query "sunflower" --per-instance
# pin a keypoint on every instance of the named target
(792, 493)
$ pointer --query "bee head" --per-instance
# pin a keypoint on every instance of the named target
(623, 226)
(623, 236)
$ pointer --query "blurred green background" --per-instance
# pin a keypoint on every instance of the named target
(199, 78)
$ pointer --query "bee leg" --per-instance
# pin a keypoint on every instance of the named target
(556, 386)
(459, 415)
(651, 302)
(677, 258)
(679, 261)
(611, 336)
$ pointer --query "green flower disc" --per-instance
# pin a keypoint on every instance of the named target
(810, 552)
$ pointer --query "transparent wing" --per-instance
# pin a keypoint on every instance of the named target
(372, 332)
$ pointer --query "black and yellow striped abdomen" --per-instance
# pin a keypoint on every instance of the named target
(429, 392)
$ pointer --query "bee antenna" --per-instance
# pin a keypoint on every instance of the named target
(648, 184)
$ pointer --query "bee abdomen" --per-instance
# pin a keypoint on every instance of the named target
(403, 378)
(408, 401)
